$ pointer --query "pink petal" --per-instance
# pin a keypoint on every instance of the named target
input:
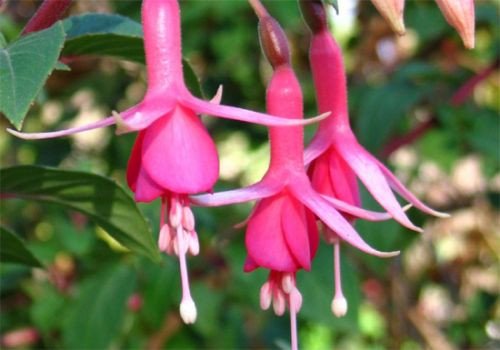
(262, 189)
(294, 226)
(344, 180)
(405, 193)
(356, 211)
(317, 147)
(312, 230)
(371, 176)
(264, 237)
(146, 113)
(134, 162)
(228, 112)
(178, 153)
(319, 173)
(330, 217)
(52, 134)
(249, 265)
(146, 189)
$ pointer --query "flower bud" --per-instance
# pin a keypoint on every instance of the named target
(273, 42)
(460, 15)
(314, 14)
(392, 11)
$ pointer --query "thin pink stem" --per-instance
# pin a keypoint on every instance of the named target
(259, 9)
(47, 14)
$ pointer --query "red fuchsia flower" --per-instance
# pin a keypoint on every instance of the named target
(281, 233)
(392, 11)
(460, 15)
(335, 157)
(173, 155)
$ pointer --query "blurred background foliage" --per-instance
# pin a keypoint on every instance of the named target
(440, 293)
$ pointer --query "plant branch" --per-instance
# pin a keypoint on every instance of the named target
(458, 98)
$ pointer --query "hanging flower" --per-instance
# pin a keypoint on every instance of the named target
(173, 156)
(335, 157)
(281, 231)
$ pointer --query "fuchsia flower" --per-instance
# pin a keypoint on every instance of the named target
(392, 11)
(281, 234)
(460, 15)
(334, 156)
(173, 155)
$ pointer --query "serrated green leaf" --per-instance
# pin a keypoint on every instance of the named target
(13, 250)
(25, 65)
(98, 197)
(97, 317)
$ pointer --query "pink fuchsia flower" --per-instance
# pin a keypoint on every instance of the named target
(335, 157)
(392, 11)
(334, 136)
(281, 233)
(460, 15)
(173, 155)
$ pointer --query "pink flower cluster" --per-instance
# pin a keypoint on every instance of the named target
(175, 159)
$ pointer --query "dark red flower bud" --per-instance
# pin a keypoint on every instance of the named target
(314, 14)
(273, 42)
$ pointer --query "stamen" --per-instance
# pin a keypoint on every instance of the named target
(293, 330)
(164, 238)
(287, 283)
(193, 243)
(187, 307)
(339, 303)
(279, 302)
(265, 296)
(175, 215)
(187, 219)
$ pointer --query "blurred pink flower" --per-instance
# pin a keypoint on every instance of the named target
(392, 11)
(335, 157)
(460, 15)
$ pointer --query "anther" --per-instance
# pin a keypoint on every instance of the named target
(164, 238)
(187, 219)
(188, 310)
(279, 303)
(287, 283)
(265, 296)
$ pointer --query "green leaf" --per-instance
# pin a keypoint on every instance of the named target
(333, 3)
(96, 319)
(104, 34)
(100, 198)
(13, 249)
(383, 108)
(25, 65)
(3, 41)
(61, 66)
